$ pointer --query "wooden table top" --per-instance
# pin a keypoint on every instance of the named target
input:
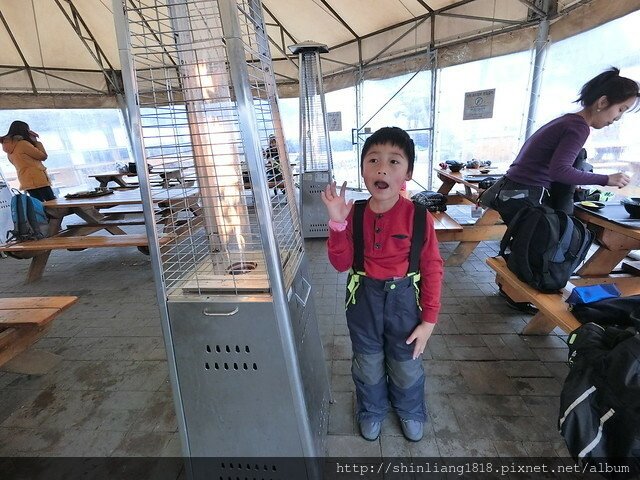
(156, 170)
(120, 197)
(32, 311)
(16, 303)
(112, 174)
(595, 218)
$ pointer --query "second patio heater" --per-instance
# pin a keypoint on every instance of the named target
(244, 352)
(315, 149)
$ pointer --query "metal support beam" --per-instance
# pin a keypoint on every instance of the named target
(340, 19)
(535, 8)
(427, 7)
(541, 44)
(283, 30)
(376, 56)
(484, 19)
(144, 21)
(89, 41)
(22, 57)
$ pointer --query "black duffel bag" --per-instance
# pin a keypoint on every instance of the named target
(621, 311)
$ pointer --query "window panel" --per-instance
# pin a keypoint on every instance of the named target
(497, 139)
(610, 149)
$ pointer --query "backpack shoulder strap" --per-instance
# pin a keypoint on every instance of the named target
(512, 227)
(417, 236)
(358, 237)
(563, 236)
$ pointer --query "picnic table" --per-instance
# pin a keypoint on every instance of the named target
(97, 214)
(24, 320)
(165, 177)
(116, 177)
(617, 235)
(488, 226)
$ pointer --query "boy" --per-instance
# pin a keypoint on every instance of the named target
(389, 322)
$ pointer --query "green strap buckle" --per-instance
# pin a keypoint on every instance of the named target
(415, 279)
(352, 286)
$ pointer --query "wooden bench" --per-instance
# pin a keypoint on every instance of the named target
(81, 242)
(39, 250)
(444, 225)
(125, 210)
(24, 320)
(271, 184)
(552, 309)
(106, 223)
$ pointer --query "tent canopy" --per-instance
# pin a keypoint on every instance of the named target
(63, 53)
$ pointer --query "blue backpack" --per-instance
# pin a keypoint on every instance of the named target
(30, 221)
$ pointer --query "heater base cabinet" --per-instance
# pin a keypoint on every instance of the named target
(238, 384)
(313, 212)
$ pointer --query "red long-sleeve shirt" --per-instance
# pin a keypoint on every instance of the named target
(387, 242)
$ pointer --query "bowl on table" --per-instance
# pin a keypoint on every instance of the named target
(632, 206)
(473, 164)
(455, 166)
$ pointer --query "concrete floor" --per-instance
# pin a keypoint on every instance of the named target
(490, 391)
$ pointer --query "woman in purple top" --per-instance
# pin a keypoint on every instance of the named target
(549, 155)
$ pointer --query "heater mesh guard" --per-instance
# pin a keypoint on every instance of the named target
(232, 207)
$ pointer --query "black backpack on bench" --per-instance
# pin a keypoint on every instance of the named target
(432, 201)
(545, 247)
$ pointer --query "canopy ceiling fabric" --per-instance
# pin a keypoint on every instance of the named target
(63, 53)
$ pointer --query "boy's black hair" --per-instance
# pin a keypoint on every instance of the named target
(609, 83)
(396, 137)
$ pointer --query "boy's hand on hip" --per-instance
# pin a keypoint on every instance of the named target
(336, 204)
(420, 335)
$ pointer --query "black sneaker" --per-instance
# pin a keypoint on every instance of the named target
(525, 307)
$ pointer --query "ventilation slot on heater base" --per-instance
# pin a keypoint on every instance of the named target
(229, 358)
(318, 228)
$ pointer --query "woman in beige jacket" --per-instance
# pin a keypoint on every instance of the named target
(26, 153)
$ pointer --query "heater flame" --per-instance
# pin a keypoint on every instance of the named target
(217, 157)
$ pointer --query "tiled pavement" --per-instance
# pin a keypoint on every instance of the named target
(490, 391)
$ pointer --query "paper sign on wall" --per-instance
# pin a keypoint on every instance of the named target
(334, 121)
(479, 104)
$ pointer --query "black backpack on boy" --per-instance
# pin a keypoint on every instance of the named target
(545, 247)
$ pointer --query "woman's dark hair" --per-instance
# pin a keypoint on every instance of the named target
(19, 128)
(396, 137)
(609, 83)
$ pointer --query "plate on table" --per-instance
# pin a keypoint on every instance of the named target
(591, 205)
(89, 194)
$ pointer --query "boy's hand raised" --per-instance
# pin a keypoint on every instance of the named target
(337, 207)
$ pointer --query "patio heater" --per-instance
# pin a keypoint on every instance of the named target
(245, 355)
(315, 148)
